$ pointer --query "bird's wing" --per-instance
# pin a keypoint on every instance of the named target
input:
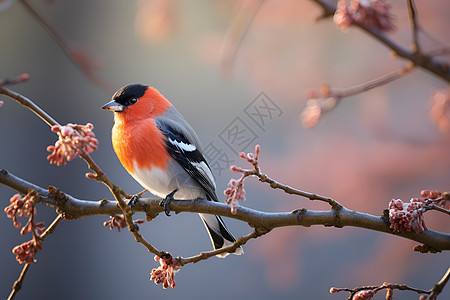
(187, 154)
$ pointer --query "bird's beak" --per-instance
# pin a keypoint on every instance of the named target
(114, 106)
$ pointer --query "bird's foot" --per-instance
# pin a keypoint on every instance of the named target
(134, 199)
(132, 202)
(166, 202)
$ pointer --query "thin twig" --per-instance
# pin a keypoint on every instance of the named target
(364, 87)
(30, 105)
(437, 288)
(231, 248)
(375, 289)
(414, 26)
(117, 193)
(326, 99)
(236, 32)
(81, 63)
(440, 209)
(290, 190)
(50, 229)
(18, 283)
(19, 79)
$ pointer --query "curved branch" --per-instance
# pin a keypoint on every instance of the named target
(438, 287)
(76, 208)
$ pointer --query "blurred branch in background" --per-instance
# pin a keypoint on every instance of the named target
(236, 33)
(80, 58)
(326, 98)
(375, 19)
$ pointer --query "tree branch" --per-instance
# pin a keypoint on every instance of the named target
(76, 208)
(438, 287)
(414, 25)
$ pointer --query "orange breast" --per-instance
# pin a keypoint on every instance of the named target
(139, 142)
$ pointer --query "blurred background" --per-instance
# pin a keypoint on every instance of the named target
(371, 148)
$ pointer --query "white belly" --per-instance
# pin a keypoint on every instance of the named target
(161, 183)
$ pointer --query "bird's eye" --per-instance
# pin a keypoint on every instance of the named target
(133, 100)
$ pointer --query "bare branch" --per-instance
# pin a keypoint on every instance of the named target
(236, 32)
(372, 290)
(18, 283)
(231, 248)
(77, 208)
(325, 99)
(414, 25)
(440, 209)
(437, 288)
(364, 87)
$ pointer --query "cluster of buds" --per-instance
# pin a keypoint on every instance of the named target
(165, 273)
(73, 139)
(235, 191)
(368, 13)
(20, 207)
(319, 102)
(364, 295)
(25, 207)
(25, 252)
(119, 222)
(314, 109)
(357, 295)
(407, 216)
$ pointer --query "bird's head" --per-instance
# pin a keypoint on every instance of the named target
(136, 102)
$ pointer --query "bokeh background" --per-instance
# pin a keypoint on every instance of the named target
(371, 148)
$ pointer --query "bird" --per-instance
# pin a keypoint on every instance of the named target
(162, 152)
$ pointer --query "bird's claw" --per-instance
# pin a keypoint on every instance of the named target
(166, 202)
(132, 202)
